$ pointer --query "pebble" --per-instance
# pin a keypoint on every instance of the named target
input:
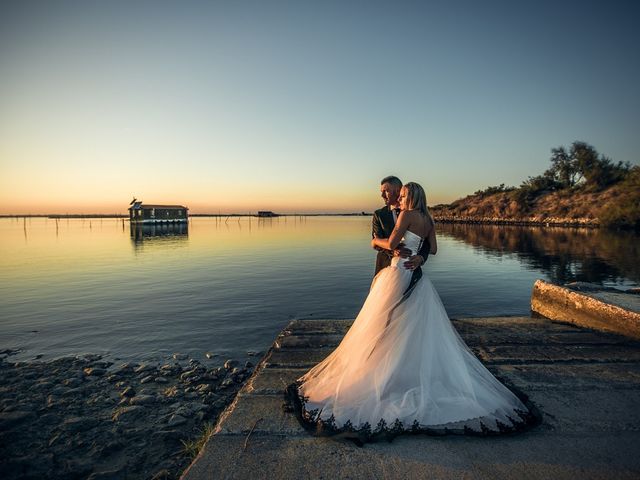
(68, 409)
(210, 355)
(180, 356)
(229, 364)
(125, 413)
(11, 419)
(176, 420)
(143, 400)
(72, 382)
(128, 392)
(78, 424)
(145, 367)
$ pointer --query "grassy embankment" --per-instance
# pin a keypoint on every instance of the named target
(581, 188)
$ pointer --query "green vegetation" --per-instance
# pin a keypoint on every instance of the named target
(192, 447)
(580, 185)
(581, 168)
(624, 212)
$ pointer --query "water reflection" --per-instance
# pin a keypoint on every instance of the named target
(158, 233)
(564, 254)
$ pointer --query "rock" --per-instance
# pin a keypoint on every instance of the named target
(160, 380)
(163, 474)
(127, 413)
(79, 424)
(12, 419)
(227, 382)
(204, 388)
(171, 368)
(184, 411)
(49, 418)
(180, 356)
(72, 392)
(90, 357)
(94, 371)
(125, 368)
(190, 376)
(248, 365)
(147, 379)
(145, 367)
(128, 392)
(101, 364)
(173, 392)
(58, 390)
(143, 400)
(72, 382)
(109, 448)
(210, 355)
(176, 420)
(229, 364)
(117, 474)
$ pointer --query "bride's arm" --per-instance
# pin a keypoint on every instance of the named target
(394, 239)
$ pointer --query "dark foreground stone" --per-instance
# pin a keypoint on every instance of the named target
(82, 417)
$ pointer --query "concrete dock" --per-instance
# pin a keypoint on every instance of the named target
(586, 384)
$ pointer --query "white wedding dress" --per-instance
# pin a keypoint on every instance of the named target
(403, 367)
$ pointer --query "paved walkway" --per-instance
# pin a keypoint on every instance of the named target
(585, 383)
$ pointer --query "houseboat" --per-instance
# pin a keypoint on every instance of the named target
(150, 214)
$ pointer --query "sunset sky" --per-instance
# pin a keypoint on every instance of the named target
(296, 106)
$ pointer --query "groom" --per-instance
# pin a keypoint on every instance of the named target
(384, 220)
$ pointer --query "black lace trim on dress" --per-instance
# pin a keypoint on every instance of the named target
(311, 421)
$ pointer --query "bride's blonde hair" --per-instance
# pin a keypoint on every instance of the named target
(416, 199)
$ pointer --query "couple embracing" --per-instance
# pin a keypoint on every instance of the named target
(402, 367)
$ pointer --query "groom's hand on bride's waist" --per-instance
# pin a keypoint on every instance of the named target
(401, 251)
(414, 262)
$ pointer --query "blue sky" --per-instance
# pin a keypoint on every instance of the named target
(302, 106)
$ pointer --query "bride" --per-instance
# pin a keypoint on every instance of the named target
(402, 366)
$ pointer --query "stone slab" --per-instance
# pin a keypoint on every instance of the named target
(272, 381)
(309, 341)
(260, 413)
(522, 354)
(585, 383)
(572, 377)
(584, 309)
(543, 456)
(296, 358)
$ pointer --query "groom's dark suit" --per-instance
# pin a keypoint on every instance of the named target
(382, 226)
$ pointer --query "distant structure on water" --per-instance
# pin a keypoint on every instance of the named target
(141, 213)
(267, 213)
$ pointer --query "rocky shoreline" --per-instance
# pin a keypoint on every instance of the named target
(83, 417)
(537, 221)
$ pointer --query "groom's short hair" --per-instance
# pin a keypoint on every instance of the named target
(395, 181)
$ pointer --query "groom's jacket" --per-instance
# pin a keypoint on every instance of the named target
(382, 226)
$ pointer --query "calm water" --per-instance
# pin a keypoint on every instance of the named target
(77, 286)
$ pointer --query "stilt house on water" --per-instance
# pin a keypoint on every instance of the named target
(141, 213)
